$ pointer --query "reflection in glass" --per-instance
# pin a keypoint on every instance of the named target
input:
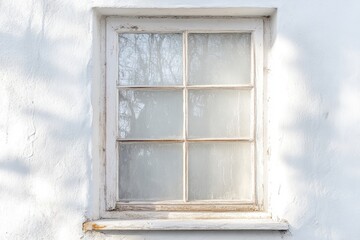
(219, 58)
(150, 59)
(219, 113)
(220, 171)
(148, 114)
(150, 171)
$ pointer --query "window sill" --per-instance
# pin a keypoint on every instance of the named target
(185, 224)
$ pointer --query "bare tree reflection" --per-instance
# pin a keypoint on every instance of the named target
(150, 59)
(156, 59)
(130, 108)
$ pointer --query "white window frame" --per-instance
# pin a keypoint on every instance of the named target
(255, 216)
(114, 27)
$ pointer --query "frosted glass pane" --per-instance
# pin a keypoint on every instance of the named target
(220, 171)
(150, 171)
(219, 58)
(150, 59)
(219, 113)
(150, 114)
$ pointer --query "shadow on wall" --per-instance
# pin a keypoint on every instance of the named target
(46, 129)
(314, 120)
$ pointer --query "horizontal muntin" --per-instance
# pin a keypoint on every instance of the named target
(190, 87)
(121, 30)
(187, 140)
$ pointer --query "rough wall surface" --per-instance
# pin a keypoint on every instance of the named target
(46, 119)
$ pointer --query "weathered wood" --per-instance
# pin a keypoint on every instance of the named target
(116, 25)
(111, 117)
(186, 120)
(177, 87)
(149, 87)
(128, 215)
(198, 224)
(187, 140)
(186, 207)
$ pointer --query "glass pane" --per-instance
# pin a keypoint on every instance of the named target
(220, 171)
(219, 113)
(148, 114)
(219, 58)
(150, 171)
(150, 59)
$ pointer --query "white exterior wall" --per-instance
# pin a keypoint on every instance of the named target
(47, 96)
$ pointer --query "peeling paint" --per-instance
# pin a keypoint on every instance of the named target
(88, 226)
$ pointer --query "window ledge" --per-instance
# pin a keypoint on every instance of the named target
(185, 224)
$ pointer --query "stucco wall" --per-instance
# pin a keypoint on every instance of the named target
(46, 116)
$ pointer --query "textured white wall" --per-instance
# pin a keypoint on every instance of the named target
(45, 118)
(46, 75)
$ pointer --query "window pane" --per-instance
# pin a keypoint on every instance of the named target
(148, 114)
(150, 59)
(219, 58)
(150, 171)
(219, 113)
(220, 171)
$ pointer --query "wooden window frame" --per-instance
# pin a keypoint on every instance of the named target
(116, 25)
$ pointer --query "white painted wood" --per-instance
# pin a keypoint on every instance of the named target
(117, 25)
(188, 11)
(266, 123)
(258, 36)
(179, 224)
(188, 140)
(187, 207)
(97, 181)
(127, 215)
(194, 202)
(186, 118)
(111, 118)
(173, 25)
(100, 140)
(144, 87)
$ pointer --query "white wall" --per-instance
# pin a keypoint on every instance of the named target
(46, 91)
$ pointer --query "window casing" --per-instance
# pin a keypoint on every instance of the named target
(116, 26)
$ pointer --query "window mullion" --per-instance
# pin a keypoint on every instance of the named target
(185, 115)
(253, 122)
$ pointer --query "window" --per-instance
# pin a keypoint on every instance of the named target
(184, 114)
(181, 143)
(183, 135)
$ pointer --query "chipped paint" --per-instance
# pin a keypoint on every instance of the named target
(89, 226)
